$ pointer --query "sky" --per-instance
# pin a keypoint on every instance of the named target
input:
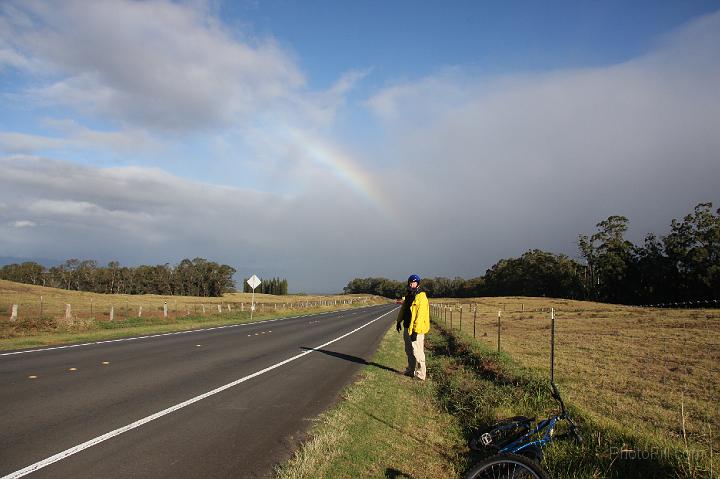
(322, 141)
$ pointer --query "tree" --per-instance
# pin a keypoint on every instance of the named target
(608, 256)
(693, 247)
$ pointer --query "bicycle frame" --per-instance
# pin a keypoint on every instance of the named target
(523, 442)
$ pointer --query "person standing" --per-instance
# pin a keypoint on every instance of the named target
(414, 318)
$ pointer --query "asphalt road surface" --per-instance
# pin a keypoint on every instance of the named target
(222, 402)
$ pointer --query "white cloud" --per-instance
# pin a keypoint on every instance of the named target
(24, 224)
(11, 142)
(75, 136)
(160, 64)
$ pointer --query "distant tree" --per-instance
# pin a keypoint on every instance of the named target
(693, 247)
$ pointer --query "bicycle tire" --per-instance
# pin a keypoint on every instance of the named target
(507, 466)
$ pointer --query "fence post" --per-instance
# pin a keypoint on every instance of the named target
(499, 312)
(14, 314)
(552, 345)
(474, 320)
(451, 312)
(165, 312)
(219, 308)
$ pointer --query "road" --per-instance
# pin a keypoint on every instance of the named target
(221, 402)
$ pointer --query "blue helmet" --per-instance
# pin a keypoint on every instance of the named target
(413, 279)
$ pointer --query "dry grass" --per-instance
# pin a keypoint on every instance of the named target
(42, 310)
(626, 367)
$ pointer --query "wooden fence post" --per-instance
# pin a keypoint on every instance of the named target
(474, 320)
(498, 332)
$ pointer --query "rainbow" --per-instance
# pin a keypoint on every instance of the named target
(343, 166)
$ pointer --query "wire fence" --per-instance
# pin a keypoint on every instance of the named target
(708, 303)
(90, 310)
(637, 365)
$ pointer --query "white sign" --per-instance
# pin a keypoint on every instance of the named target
(254, 282)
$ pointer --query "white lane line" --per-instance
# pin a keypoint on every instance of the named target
(93, 442)
(108, 341)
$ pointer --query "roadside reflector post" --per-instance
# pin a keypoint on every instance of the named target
(203, 309)
(112, 313)
(165, 310)
(13, 314)
(219, 308)
(461, 317)
(139, 311)
(68, 312)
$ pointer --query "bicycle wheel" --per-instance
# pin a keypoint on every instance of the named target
(507, 466)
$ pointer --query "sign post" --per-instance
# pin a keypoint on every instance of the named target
(253, 282)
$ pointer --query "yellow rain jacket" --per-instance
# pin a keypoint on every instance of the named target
(419, 314)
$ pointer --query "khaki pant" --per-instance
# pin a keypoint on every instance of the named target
(415, 351)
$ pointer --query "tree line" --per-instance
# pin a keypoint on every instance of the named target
(197, 277)
(268, 286)
(682, 266)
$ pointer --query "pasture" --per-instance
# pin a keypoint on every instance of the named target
(652, 373)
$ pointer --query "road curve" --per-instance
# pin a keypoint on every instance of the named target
(221, 402)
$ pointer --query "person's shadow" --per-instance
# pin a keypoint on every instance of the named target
(354, 359)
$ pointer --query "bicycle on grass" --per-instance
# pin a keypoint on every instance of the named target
(518, 441)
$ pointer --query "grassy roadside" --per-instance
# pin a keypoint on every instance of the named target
(37, 333)
(372, 434)
(386, 426)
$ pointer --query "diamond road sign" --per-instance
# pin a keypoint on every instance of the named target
(254, 282)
